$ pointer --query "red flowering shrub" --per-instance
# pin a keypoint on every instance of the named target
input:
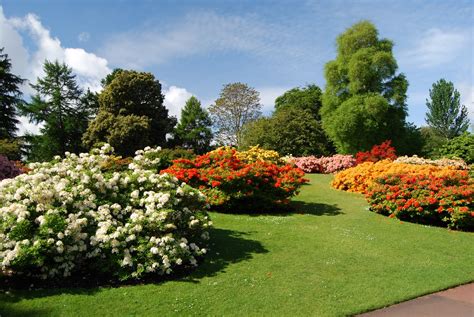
(230, 183)
(8, 169)
(377, 153)
(426, 198)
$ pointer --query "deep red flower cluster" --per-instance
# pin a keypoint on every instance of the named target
(426, 198)
(230, 183)
(377, 153)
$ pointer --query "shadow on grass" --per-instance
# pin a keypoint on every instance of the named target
(227, 247)
(23, 312)
(294, 207)
(316, 209)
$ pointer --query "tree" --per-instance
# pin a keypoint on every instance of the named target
(57, 106)
(108, 79)
(308, 98)
(445, 113)
(10, 98)
(460, 147)
(289, 131)
(364, 99)
(194, 128)
(237, 105)
(131, 114)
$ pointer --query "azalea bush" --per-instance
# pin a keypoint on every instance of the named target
(360, 177)
(325, 164)
(426, 198)
(256, 153)
(233, 184)
(77, 214)
(456, 163)
(377, 153)
(8, 169)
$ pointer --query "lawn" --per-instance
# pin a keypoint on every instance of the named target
(331, 257)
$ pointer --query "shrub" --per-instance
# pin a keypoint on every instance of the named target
(231, 184)
(8, 169)
(460, 147)
(377, 153)
(256, 153)
(325, 164)
(426, 198)
(360, 177)
(76, 215)
(167, 156)
(456, 163)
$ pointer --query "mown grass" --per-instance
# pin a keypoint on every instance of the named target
(331, 257)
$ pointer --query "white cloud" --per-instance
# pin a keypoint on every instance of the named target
(28, 63)
(467, 97)
(199, 33)
(83, 37)
(175, 98)
(437, 47)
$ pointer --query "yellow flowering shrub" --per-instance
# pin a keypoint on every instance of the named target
(362, 176)
(256, 153)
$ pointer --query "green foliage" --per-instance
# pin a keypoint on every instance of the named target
(57, 106)
(131, 114)
(289, 131)
(432, 142)
(308, 98)
(445, 113)
(364, 100)
(194, 128)
(10, 98)
(237, 105)
(167, 156)
(11, 149)
(108, 79)
(459, 147)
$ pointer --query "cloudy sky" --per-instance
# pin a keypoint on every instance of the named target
(195, 47)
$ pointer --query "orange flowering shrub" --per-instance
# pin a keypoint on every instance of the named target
(360, 177)
(426, 198)
(231, 183)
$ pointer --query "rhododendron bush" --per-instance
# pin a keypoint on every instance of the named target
(456, 163)
(426, 198)
(8, 169)
(360, 177)
(238, 184)
(324, 164)
(77, 215)
(377, 153)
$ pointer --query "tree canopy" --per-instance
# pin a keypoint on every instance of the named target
(131, 114)
(10, 98)
(194, 128)
(237, 105)
(364, 99)
(308, 98)
(445, 113)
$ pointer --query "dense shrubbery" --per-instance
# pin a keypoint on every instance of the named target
(80, 215)
(8, 169)
(256, 153)
(324, 164)
(167, 156)
(459, 147)
(360, 177)
(377, 153)
(233, 184)
(426, 198)
(456, 163)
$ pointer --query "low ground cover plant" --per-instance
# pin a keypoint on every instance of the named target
(324, 164)
(426, 198)
(77, 215)
(232, 182)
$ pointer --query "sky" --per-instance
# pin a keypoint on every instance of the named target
(196, 47)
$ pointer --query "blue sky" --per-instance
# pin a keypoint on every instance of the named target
(195, 47)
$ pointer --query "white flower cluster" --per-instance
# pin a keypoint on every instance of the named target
(73, 214)
(456, 163)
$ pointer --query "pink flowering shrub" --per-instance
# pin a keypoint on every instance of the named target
(324, 164)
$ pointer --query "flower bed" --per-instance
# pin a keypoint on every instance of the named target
(458, 164)
(360, 177)
(324, 164)
(426, 198)
(379, 152)
(75, 214)
(234, 184)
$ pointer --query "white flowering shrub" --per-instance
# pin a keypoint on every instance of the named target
(75, 214)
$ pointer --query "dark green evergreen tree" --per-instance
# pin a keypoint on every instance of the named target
(10, 98)
(194, 128)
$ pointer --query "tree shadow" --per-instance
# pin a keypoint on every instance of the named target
(316, 209)
(226, 247)
(23, 312)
